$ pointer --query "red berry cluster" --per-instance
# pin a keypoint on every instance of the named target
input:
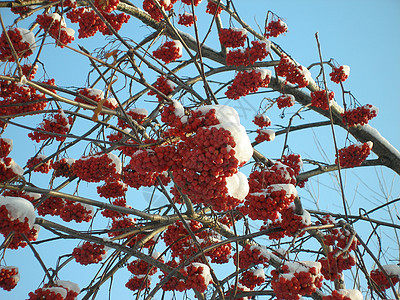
(333, 266)
(163, 85)
(89, 253)
(112, 189)
(158, 160)
(96, 168)
(139, 282)
(106, 6)
(173, 284)
(320, 99)
(140, 267)
(51, 206)
(267, 203)
(285, 100)
(236, 289)
(74, 211)
(360, 115)
(380, 279)
(37, 165)
(340, 74)
(248, 82)
(96, 95)
(63, 167)
(187, 19)
(251, 255)
(23, 41)
(189, 2)
(248, 56)
(212, 8)
(278, 173)
(138, 179)
(89, 22)
(275, 28)
(55, 25)
(18, 240)
(5, 146)
(296, 279)
(151, 8)
(293, 161)
(58, 124)
(53, 293)
(198, 276)
(9, 169)
(21, 10)
(232, 37)
(71, 288)
(264, 135)
(262, 120)
(294, 74)
(136, 114)
(354, 155)
(115, 214)
(344, 294)
(252, 278)
(9, 277)
(169, 51)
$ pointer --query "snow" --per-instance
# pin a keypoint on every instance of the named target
(306, 73)
(69, 31)
(352, 294)
(112, 101)
(19, 208)
(224, 113)
(206, 272)
(179, 109)
(264, 117)
(96, 92)
(259, 273)
(27, 36)
(306, 217)
(171, 84)
(264, 251)
(303, 266)
(370, 144)
(238, 186)
(371, 108)
(267, 45)
(58, 290)
(264, 73)
(241, 30)
(346, 70)
(70, 286)
(116, 161)
(290, 189)
(187, 14)
(268, 132)
(392, 270)
(283, 24)
(179, 46)
(35, 196)
(23, 80)
(140, 111)
(157, 255)
(57, 17)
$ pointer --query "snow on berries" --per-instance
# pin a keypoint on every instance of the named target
(137, 114)
(23, 41)
(265, 135)
(294, 73)
(54, 293)
(55, 25)
(9, 277)
(262, 120)
(285, 100)
(340, 74)
(296, 279)
(354, 155)
(379, 278)
(17, 215)
(320, 99)
(39, 163)
(233, 37)
(151, 8)
(57, 124)
(89, 253)
(63, 167)
(359, 116)
(252, 278)
(6, 146)
(189, 2)
(97, 96)
(112, 189)
(169, 51)
(106, 6)
(95, 168)
(343, 294)
(247, 82)
(187, 19)
(198, 276)
(72, 288)
(275, 28)
(252, 255)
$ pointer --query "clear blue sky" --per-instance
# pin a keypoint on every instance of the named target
(361, 34)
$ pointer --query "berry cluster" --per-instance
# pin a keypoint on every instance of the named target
(252, 278)
(189, 2)
(169, 51)
(137, 114)
(248, 82)
(293, 161)
(96, 168)
(285, 100)
(164, 86)
(55, 25)
(23, 41)
(151, 8)
(251, 255)
(320, 99)
(232, 37)
(393, 272)
(173, 284)
(275, 28)
(89, 22)
(72, 288)
(106, 6)
(198, 276)
(112, 189)
(248, 56)
(58, 124)
(264, 135)
(89, 253)
(294, 74)
(21, 10)
(97, 96)
(333, 265)
(296, 279)
(158, 160)
(37, 165)
(187, 19)
(9, 277)
(137, 179)
(5, 146)
(354, 155)
(344, 294)
(140, 267)
(78, 212)
(63, 167)
(18, 240)
(115, 214)
(360, 115)
(139, 282)
(53, 293)
(236, 289)
(340, 74)
(213, 9)
(262, 120)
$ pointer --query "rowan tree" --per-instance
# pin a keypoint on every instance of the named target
(146, 175)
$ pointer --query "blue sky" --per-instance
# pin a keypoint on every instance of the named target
(361, 34)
